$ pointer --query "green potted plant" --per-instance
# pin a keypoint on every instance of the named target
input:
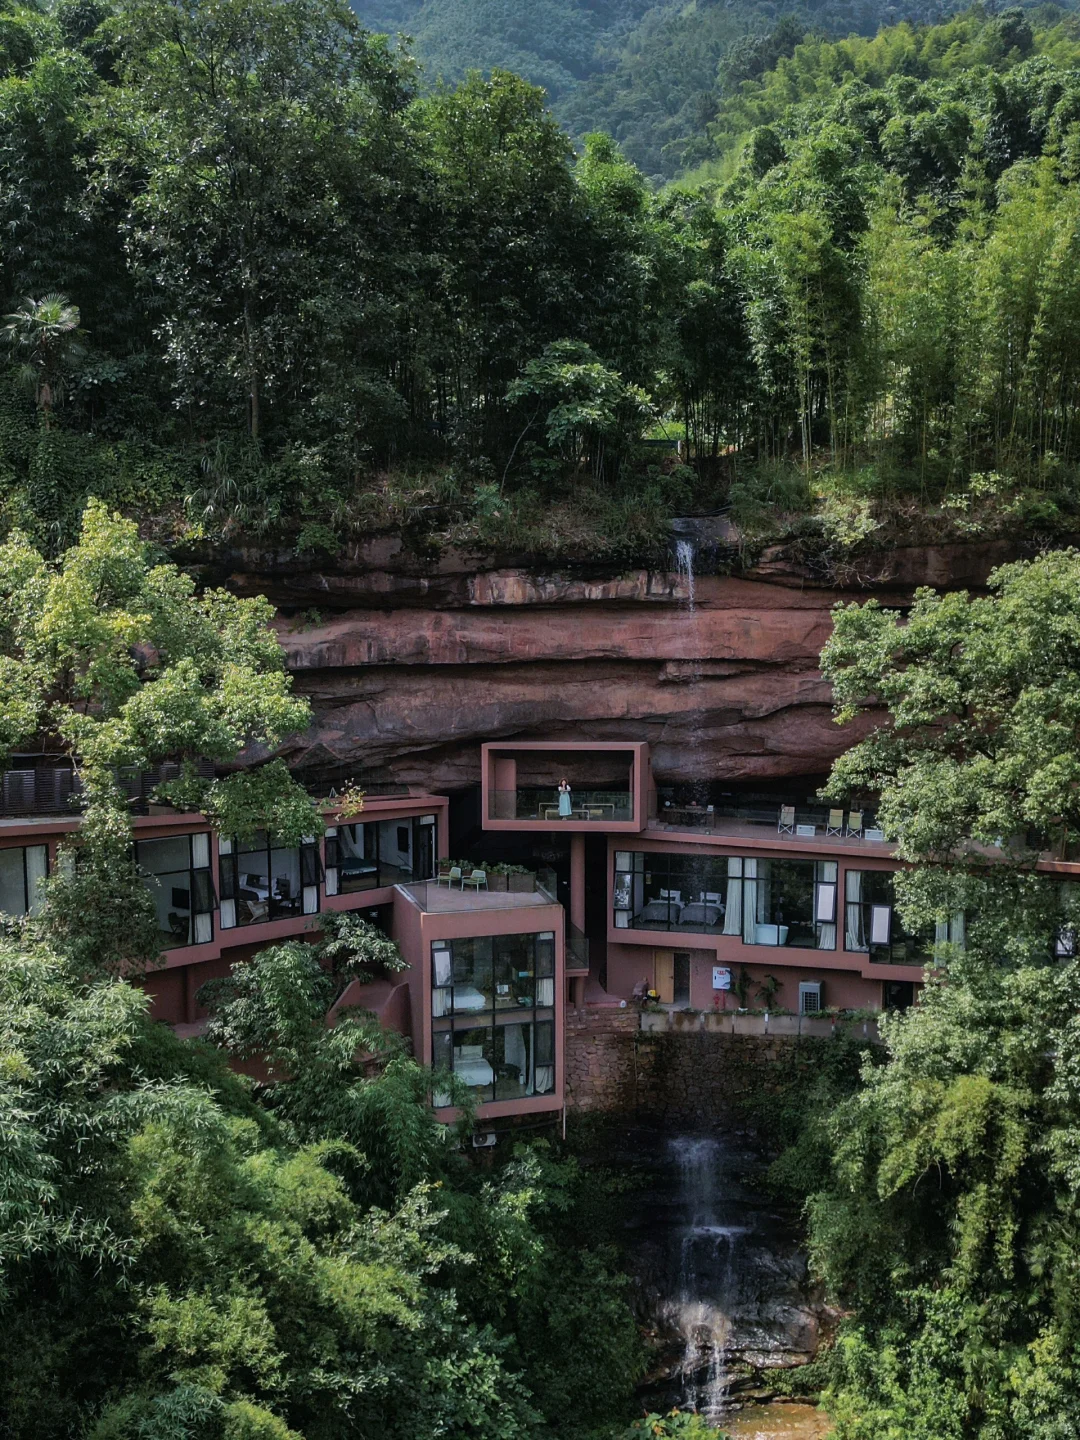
(767, 992)
(741, 986)
(498, 877)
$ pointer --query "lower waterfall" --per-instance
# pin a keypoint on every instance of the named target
(721, 1285)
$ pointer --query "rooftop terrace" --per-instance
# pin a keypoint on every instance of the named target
(441, 899)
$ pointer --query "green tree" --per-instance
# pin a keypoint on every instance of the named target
(175, 1263)
(947, 1217)
(119, 663)
(45, 334)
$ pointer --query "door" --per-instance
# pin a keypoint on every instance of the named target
(897, 994)
(664, 972)
(423, 849)
(681, 985)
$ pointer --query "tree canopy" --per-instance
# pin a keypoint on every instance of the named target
(941, 1192)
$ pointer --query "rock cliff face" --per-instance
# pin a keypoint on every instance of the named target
(410, 664)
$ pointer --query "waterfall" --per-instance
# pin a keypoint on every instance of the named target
(684, 566)
(707, 1280)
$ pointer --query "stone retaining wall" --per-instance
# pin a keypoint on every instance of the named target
(684, 1073)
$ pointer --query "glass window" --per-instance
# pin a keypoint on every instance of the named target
(177, 874)
(871, 924)
(789, 902)
(367, 855)
(262, 880)
(492, 1001)
(22, 869)
(763, 902)
(670, 892)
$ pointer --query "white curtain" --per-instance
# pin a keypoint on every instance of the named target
(733, 904)
(825, 908)
(37, 867)
(854, 938)
(440, 1003)
(545, 991)
(516, 1053)
(751, 902)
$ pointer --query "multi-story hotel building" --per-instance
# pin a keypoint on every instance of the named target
(711, 905)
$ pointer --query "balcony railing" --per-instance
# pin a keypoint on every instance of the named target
(690, 816)
(577, 947)
(55, 790)
(536, 802)
(38, 792)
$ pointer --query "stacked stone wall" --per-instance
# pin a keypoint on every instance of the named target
(685, 1077)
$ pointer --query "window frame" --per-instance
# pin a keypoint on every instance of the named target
(309, 867)
(500, 1011)
(200, 883)
(31, 903)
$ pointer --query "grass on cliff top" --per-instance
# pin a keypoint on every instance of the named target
(827, 517)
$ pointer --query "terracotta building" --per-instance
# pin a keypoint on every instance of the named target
(773, 903)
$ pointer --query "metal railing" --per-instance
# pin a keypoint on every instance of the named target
(692, 816)
(536, 802)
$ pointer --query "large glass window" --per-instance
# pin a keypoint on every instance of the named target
(871, 924)
(22, 870)
(379, 852)
(789, 902)
(492, 1006)
(763, 902)
(177, 874)
(262, 880)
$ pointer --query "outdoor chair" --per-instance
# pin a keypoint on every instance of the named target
(835, 823)
(454, 873)
(478, 878)
(786, 824)
(855, 823)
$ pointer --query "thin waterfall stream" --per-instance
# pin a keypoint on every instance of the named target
(721, 1284)
(706, 1282)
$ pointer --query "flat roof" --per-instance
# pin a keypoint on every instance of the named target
(441, 899)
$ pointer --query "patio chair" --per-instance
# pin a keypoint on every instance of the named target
(478, 878)
(786, 823)
(454, 873)
(855, 822)
(835, 823)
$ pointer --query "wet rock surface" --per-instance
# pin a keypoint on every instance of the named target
(721, 1285)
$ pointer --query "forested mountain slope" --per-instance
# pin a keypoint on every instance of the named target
(651, 75)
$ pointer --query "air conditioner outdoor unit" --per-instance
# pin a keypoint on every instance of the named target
(484, 1141)
(809, 997)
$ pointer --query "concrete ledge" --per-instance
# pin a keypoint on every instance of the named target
(733, 1022)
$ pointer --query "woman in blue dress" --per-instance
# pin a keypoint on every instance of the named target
(566, 808)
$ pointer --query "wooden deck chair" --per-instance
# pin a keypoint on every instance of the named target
(786, 823)
(835, 823)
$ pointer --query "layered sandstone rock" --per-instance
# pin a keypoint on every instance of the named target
(410, 663)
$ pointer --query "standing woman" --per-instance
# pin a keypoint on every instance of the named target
(566, 808)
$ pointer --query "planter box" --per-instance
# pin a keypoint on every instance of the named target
(785, 1024)
(718, 1021)
(685, 1020)
(818, 1027)
(522, 884)
(155, 809)
(748, 1025)
(653, 1020)
(497, 882)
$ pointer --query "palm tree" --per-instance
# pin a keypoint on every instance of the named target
(46, 334)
